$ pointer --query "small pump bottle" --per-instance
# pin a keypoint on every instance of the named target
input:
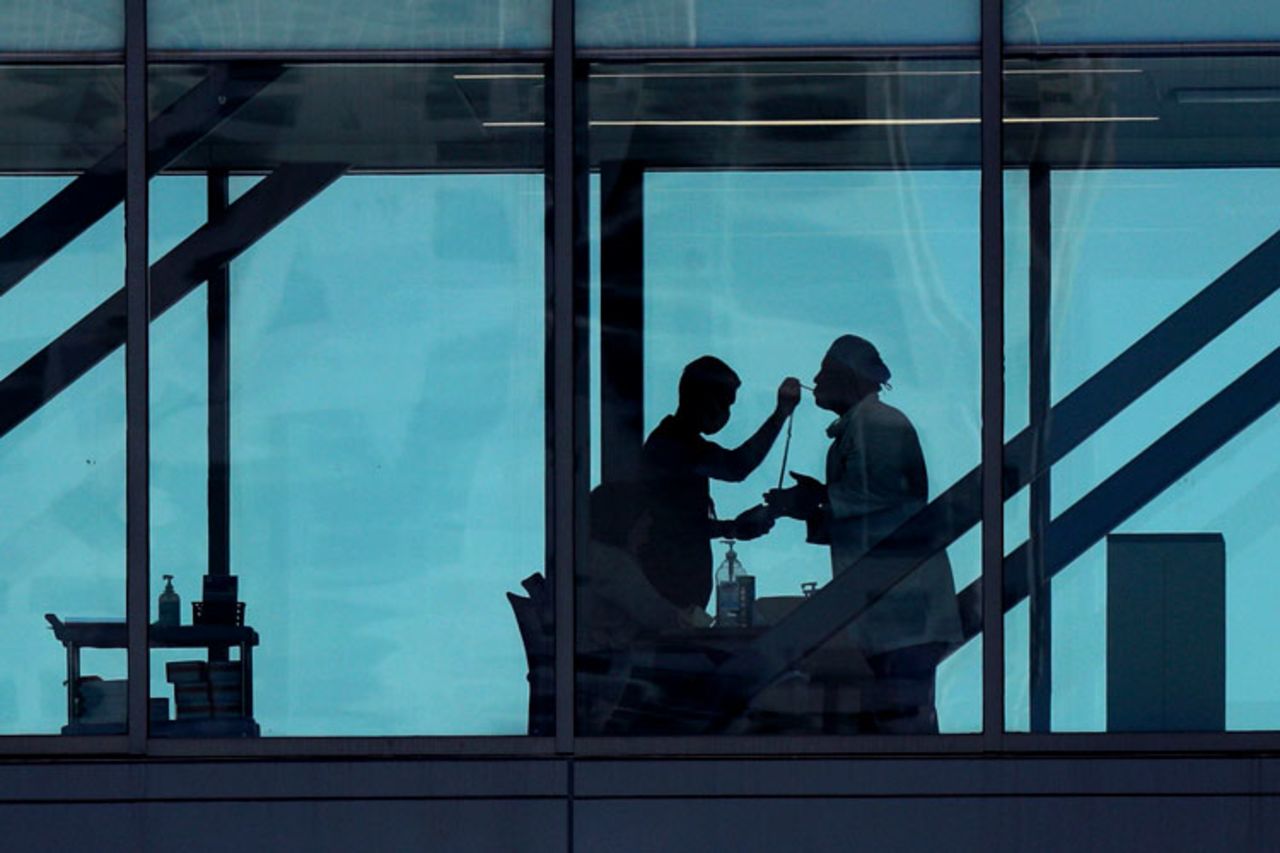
(730, 612)
(170, 605)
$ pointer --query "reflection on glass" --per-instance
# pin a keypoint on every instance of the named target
(379, 426)
(339, 25)
(1090, 22)
(35, 25)
(737, 23)
(180, 470)
(1148, 549)
(62, 406)
(777, 292)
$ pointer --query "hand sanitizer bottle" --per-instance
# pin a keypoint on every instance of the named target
(170, 605)
(728, 594)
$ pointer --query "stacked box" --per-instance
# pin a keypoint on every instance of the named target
(203, 690)
(220, 605)
(190, 680)
(225, 685)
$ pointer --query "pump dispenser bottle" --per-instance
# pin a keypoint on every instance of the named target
(170, 605)
(735, 592)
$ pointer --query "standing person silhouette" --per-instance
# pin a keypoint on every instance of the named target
(876, 480)
(677, 465)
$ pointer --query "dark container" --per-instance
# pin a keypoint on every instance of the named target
(746, 600)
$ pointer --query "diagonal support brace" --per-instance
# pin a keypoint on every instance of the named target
(1081, 413)
(94, 193)
(100, 332)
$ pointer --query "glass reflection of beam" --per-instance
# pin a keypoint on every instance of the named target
(1144, 477)
(218, 380)
(102, 331)
(834, 122)
(1081, 413)
(1040, 400)
(621, 320)
(96, 191)
(665, 75)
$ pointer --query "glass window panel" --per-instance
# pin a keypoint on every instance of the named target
(338, 25)
(386, 403)
(1155, 533)
(62, 445)
(756, 214)
(47, 25)
(735, 23)
(1137, 21)
(179, 427)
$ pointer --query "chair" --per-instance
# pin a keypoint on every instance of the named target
(534, 618)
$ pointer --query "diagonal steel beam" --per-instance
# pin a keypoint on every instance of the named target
(1154, 356)
(1168, 459)
(100, 332)
(953, 513)
(94, 193)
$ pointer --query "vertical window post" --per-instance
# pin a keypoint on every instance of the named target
(992, 237)
(137, 324)
(566, 195)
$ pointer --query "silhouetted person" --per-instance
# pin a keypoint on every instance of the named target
(876, 480)
(617, 604)
(618, 610)
(677, 465)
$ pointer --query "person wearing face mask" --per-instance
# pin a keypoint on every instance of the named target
(677, 465)
(876, 480)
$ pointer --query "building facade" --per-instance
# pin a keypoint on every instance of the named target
(363, 489)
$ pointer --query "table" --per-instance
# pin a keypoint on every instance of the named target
(77, 635)
(832, 690)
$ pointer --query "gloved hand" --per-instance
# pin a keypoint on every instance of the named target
(802, 501)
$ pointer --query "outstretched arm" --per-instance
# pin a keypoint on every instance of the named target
(750, 524)
(736, 465)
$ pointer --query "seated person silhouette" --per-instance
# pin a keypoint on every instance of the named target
(875, 480)
(616, 603)
(618, 610)
(677, 465)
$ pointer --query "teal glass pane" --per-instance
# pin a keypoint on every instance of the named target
(1095, 22)
(47, 25)
(729, 23)
(386, 408)
(387, 474)
(338, 25)
(179, 460)
(1148, 243)
(755, 213)
(1155, 537)
(62, 443)
(1016, 417)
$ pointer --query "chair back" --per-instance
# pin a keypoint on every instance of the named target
(537, 631)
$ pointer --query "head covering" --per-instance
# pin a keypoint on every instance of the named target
(860, 356)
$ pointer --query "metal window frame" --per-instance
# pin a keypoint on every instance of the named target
(567, 419)
(137, 268)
